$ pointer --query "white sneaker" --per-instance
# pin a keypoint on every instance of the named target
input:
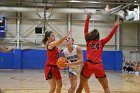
(137, 73)
(130, 17)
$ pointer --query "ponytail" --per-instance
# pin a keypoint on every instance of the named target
(47, 34)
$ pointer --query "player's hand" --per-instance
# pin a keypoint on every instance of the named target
(89, 15)
(118, 22)
(68, 34)
(68, 64)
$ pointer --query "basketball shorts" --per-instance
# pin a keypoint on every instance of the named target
(96, 69)
(52, 71)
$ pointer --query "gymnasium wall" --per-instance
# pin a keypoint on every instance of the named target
(58, 23)
(130, 36)
(35, 59)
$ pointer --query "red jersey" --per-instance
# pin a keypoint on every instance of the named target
(95, 47)
(52, 56)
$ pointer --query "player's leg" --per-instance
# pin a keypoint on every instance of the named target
(86, 73)
(51, 80)
(73, 82)
(101, 76)
(86, 88)
(52, 84)
(83, 82)
(104, 83)
(57, 75)
(58, 86)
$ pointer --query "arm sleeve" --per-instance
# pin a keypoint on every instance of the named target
(86, 27)
(106, 39)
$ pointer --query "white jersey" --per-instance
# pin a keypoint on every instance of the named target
(72, 57)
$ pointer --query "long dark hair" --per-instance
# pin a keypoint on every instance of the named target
(47, 34)
(93, 35)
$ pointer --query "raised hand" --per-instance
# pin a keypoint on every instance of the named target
(118, 22)
(89, 15)
(68, 34)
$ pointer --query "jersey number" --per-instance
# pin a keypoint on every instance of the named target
(95, 46)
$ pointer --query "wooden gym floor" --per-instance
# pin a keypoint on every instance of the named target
(33, 81)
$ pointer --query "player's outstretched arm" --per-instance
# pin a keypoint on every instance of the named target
(58, 42)
(113, 31)
(87, 24)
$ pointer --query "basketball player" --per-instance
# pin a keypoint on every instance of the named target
(94, 57)
(52, 73)
(74, 56)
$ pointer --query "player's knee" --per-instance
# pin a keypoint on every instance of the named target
(106, 87)
(59, 86)
(58, 91)
(73, 87)
(80, 86)
(52, 90)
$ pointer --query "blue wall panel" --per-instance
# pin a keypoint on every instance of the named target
(7, 60)
(118, 60)
(17, 59)
(112, 60)
(84, 54)
(35, 59)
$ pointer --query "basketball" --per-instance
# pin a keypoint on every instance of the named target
(61, 63)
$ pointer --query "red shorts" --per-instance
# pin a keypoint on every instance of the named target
(52, 71)
(90, 68)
